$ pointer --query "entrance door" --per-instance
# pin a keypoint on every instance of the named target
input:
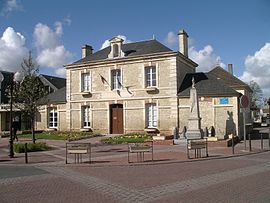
(117, 126)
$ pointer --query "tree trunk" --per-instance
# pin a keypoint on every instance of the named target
(33, 129)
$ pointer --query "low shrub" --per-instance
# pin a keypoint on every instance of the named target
(31, 147)
(127, 138)
(56, 135)
(5, 134)
(24, 132)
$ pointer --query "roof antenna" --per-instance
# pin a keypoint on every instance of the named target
(154, 37)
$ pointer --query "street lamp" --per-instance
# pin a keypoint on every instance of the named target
(17, 77)
(268, 102)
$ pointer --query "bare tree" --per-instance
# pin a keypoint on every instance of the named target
(29, 92)
(257, 95)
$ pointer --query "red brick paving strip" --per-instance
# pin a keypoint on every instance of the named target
(51, 190)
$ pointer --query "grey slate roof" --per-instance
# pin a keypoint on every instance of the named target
(59, 96)
(56, 81)
(206, 85)
(130, 49)
(228, 78)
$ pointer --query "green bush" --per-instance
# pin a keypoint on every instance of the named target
(127, 138)
(31, 147)
(24, 132)
(5, 134)
(56, 135)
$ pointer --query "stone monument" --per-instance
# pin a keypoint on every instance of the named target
(194, 130)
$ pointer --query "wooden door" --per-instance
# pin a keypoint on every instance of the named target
(117, 126)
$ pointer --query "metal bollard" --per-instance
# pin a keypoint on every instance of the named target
(249, 137)
(261, 141)
(232, 144)
(269, 139)
(25, 153)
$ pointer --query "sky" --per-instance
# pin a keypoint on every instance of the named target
(220, 32)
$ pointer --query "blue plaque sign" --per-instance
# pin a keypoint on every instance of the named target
(224, 100)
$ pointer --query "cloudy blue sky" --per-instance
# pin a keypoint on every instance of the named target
(220, 32)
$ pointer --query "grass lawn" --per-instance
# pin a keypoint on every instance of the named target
(58, 135)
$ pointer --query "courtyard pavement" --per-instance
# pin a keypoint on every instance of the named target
(171, 177)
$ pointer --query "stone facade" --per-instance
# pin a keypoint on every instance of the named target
(134, 100)
(223, 117)
(93, 104)
(44, 116)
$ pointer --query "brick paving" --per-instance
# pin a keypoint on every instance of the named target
(222, 177)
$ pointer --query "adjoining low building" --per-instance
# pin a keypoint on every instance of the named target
(218, 103)
(139, 87)
(52, 115)
(238, 85)
(51, 83)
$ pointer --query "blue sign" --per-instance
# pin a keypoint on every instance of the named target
(224, 100)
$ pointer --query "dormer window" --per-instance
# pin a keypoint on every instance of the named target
(116, 48)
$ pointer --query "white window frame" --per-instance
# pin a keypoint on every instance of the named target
(115, 78)
(151, 116)
(86, 82)
(86, 117)
(150, 81)
(53, 119)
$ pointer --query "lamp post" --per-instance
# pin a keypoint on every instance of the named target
(268, 102)
(11, 152)
(17, 77)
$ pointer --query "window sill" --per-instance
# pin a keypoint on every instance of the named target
(85, 129)
(151, 130)
(51, 129)
(151, 89)
(86, 93)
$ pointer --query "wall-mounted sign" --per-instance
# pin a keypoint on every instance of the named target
(244, 101)
(224, 100)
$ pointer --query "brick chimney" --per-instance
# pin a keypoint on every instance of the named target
(183, 42)
(230, 68)
(87, 50)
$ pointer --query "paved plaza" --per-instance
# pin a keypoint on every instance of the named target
(171, 177)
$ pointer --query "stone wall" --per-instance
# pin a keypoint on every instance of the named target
(133, 99)
(224, 118)
(42, 117)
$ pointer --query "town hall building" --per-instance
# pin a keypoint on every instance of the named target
(139, 87)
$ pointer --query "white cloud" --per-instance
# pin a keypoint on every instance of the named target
(205, 58)
(171, 39)
(67, 20)
(12, 50)
(257, 68)
(61, 72)
(51, 52)
(58, 28)
(9, 6)
(45, 37)
(106, 43)
(54, 58)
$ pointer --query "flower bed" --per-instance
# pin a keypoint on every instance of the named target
(128, 138)
(61, 135)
